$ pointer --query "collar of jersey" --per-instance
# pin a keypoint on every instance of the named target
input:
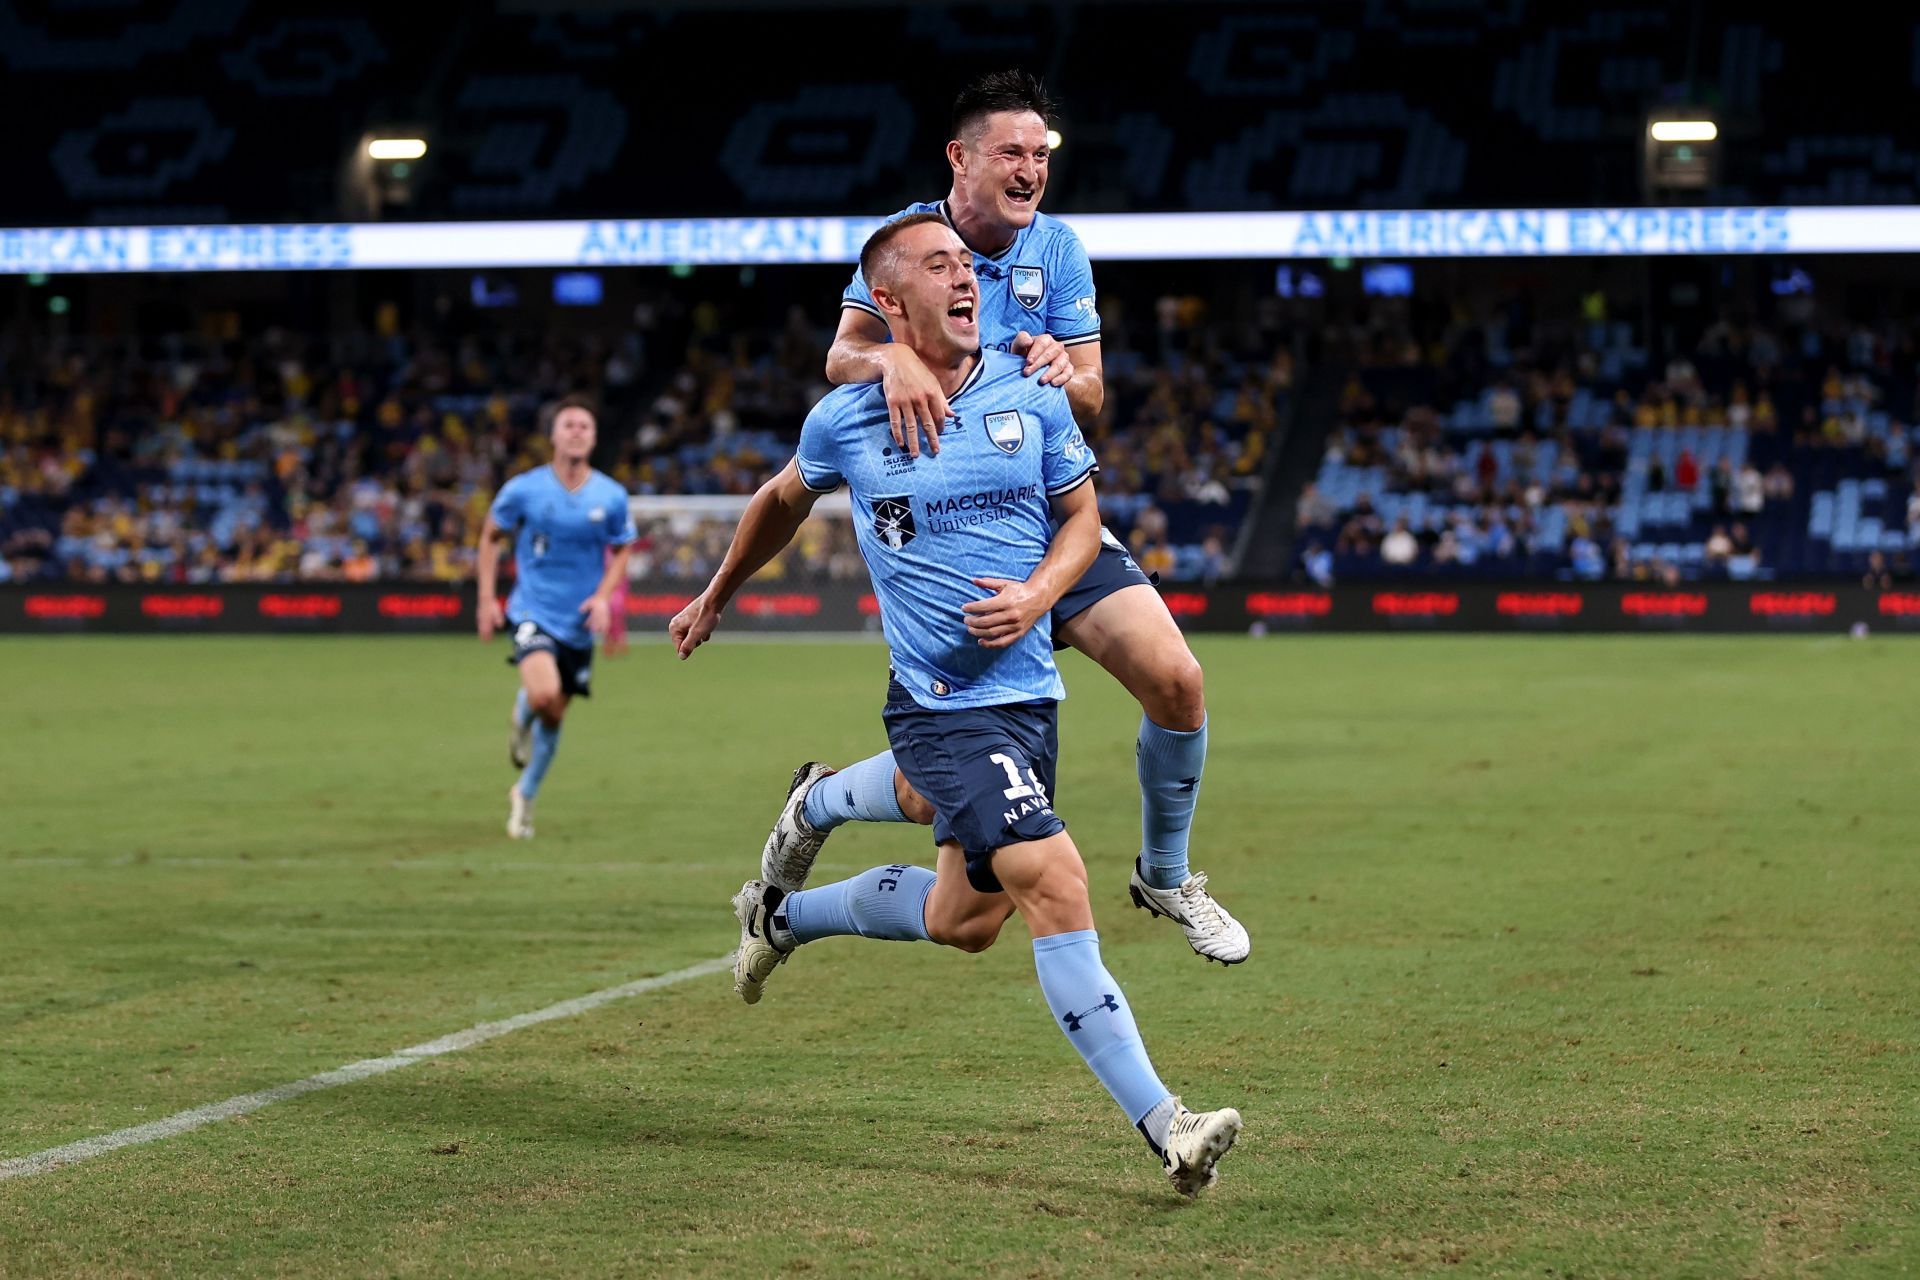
(999, 259)
(979, 367)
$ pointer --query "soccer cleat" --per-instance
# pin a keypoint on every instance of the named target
(787, 858)
(1210, 930)
(1195, 1142)
(519, 814)
(758, 955)
(519, 739)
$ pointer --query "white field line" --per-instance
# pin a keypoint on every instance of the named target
(199, 1117)
(323, 864)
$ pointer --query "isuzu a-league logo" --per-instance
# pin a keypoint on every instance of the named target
(893, 521)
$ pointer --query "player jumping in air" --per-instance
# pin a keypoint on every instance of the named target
(971, 709)
(1037, 301)
(562, 519)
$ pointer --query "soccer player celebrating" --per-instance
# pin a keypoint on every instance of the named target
(562, 518)
(971, 709)
(1036, 300)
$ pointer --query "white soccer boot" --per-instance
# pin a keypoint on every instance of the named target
(1210, 930)
(787, 858)
(519, 814)
(759, 955)
(1195, 1142)
(519, 738)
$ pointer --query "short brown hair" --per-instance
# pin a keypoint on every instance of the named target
(574, 401)
(877, 243)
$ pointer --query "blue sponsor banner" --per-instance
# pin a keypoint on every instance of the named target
(1372, 233)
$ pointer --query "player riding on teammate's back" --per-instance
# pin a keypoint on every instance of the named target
(1037, 301)
(971, 709)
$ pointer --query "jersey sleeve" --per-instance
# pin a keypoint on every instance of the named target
(509, 505)
(859, 298)
(1073, 314)
(817, 458)
(1068, 461)
(619, 528)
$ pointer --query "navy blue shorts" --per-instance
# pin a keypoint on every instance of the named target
(1111, 570)
(576, 665)
(987, 772)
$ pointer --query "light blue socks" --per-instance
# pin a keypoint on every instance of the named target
(860, 792)
(1170, 764)
(546, 741)
(1091, 1010)
(883, 902)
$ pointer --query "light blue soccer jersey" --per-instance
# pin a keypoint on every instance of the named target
(560, 546)
(928, 526)
(1041, 283)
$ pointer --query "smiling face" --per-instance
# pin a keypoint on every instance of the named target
(924, 285)
(1000, 167)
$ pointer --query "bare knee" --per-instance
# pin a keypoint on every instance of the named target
(912, 804)
(1174, 694)
(549, 707)
(966, 922)
(972, 936)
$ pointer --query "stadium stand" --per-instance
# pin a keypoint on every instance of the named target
(1761, 455)
(268, 461)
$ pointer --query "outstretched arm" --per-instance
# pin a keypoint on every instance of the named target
(773, 516)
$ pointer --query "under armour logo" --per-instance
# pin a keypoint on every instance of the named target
(1072, 1019)
(1188, 784)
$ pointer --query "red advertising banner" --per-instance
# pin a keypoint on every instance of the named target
(1540, 604)
(1416, 604)
(199, 607)
(310, 605)
(420, 605)
(1663, 604)
(47, 607)
(852, 607)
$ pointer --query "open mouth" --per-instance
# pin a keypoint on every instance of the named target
(1022, 196)
(962, 312)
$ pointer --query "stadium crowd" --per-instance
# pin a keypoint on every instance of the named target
(1517, 449)
(373, 459)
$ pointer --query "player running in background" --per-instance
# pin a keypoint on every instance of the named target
(1036, 300)
(563, 519)
(971, 709)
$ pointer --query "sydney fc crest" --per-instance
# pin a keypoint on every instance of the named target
(1029, 286)
(1006, 430)
(893, 521)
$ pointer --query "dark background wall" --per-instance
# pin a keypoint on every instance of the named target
(241, 110)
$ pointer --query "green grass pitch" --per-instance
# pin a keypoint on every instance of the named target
(1572, 957)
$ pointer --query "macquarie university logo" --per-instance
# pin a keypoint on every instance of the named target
(893, 521)
(1029, 286)
(1006, 430)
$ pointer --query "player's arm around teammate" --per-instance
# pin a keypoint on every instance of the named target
(916, 408)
